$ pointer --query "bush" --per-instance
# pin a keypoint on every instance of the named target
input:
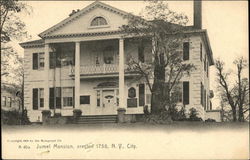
(77, 112)
(193, 115)
(177, 115)
(210, 120)
(14, 117)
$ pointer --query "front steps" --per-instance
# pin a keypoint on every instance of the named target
(97, 119)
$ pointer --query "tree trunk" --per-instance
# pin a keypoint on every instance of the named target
(241, 114)
(157, 100)
(234, 114)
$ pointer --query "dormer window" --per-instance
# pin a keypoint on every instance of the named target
(98, 21)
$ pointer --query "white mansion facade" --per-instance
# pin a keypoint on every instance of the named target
(81, 63)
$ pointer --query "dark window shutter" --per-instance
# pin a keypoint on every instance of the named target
(141, 94)
(35, 98)
(141, 51)
(201, 51)
(52, 60)
(205, 63)
(58, 97)
(201, 94)
(35, 61)
(51, 98)
(186, 51)
(73, 97)
(185, 92)
(205, 99)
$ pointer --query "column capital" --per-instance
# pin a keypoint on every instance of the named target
(77, 41)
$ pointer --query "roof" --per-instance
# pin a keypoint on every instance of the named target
(34, 43)
(80, 13)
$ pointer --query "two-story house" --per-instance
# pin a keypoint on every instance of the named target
(81, 63)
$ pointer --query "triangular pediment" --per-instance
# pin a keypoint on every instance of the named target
(80, 22)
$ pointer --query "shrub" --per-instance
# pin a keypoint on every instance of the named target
(193, 115)
(77, 112)
(177, 115)
(14, 117)
(210, 120)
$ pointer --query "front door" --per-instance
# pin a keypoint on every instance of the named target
(108, 99)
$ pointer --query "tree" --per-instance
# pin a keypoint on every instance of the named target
(235, 94)
(11, 25)
(165, 28)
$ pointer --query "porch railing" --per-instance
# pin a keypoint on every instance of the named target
(96, 69)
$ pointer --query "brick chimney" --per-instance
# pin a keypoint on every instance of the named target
(197, 14)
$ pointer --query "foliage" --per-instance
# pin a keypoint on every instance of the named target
(77, 112)
(193, 115)
(177, 115)
(236, 95)
(11, 26)
(210, 120)
(165, 29)
(14, 117)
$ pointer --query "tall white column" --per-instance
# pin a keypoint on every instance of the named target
(77, 74)
(46, 76)
(121, 74)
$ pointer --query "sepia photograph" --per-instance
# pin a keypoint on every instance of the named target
(149, 79)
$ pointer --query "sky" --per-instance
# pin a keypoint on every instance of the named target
(225, 21)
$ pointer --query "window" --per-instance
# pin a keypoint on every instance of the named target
(38, 98)
(98, 21)
(41, 96)
(108, 55)
(176, 94)
(186, 51)
(9, 102)
(67, 95)
(185, 92)
(201, 51)
(3, 101)
(132, 92)
(38, 61)
(52, 60)
(41, 60)
(84, 99)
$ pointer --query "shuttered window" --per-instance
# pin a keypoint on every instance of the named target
(85, 100)
(52, 60)
(35, 98)
(41, 97)
(35, 61)
(186, 92)
(141, 94)
(186, 51)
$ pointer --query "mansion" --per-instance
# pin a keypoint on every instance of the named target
(91, 72)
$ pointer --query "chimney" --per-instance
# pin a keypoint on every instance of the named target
(197, 14)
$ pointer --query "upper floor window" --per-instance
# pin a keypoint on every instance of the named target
(108, 55)
(38, 61)
(98, 21)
